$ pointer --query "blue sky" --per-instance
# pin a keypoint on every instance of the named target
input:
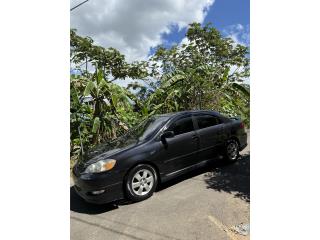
(225, 15)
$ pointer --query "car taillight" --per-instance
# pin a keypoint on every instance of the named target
(241, 125)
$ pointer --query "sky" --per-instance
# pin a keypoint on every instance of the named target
(137, 27)
(231, 17)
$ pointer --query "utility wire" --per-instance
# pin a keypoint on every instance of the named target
(78, 5)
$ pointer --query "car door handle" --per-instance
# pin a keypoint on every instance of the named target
(195, 137)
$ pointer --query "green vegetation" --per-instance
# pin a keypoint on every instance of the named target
(206, 73)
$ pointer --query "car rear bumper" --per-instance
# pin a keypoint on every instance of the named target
(243, 140)
(86, 185)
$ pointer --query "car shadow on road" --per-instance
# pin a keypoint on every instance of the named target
(232, 178)
(77, 204)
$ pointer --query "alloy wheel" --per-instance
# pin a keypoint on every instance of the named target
(142, 182)
(232, 150)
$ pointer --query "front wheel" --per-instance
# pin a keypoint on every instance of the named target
(231, 153)
(141, 182)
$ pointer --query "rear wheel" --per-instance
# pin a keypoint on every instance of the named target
(231, 153)
(141, 182)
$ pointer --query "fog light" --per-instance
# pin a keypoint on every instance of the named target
(97, 192)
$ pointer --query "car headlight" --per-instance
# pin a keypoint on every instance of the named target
(101, 166)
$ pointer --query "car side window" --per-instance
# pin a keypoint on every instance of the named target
(182, 125)
(205, 121)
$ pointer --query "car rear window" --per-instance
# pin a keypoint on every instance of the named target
(182, 125)
(205, 121)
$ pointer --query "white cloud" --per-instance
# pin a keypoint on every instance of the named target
(239, 34)
(133, 26)
(185, 41)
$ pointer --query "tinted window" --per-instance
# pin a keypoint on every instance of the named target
(182, 125)
(147, 128)
(205, 121)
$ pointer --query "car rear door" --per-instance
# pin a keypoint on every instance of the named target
(179, 151)
(210, 129)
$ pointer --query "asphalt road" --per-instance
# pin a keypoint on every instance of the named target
(204, 204)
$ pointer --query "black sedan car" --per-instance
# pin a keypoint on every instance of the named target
(160, 148)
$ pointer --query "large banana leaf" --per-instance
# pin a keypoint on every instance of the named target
(241, 88)
(90, 86)
(173, 80)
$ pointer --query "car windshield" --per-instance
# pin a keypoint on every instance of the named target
(146, 128)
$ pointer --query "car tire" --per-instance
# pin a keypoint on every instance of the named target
(141, 182)
(231, 151)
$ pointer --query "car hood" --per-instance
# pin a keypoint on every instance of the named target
(106, 150)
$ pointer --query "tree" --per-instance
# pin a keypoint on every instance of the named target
(208, 72)
(100, 109)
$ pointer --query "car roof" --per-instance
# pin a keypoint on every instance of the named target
(173, 114)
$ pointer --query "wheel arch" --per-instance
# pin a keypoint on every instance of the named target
(233, 138)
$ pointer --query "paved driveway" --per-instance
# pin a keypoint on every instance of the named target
(204, 204)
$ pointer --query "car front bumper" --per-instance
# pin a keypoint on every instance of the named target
(86, 184)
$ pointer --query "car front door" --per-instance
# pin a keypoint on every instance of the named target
(178, 152)
(210, 130)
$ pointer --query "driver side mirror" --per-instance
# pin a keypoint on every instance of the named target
(167, 134)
